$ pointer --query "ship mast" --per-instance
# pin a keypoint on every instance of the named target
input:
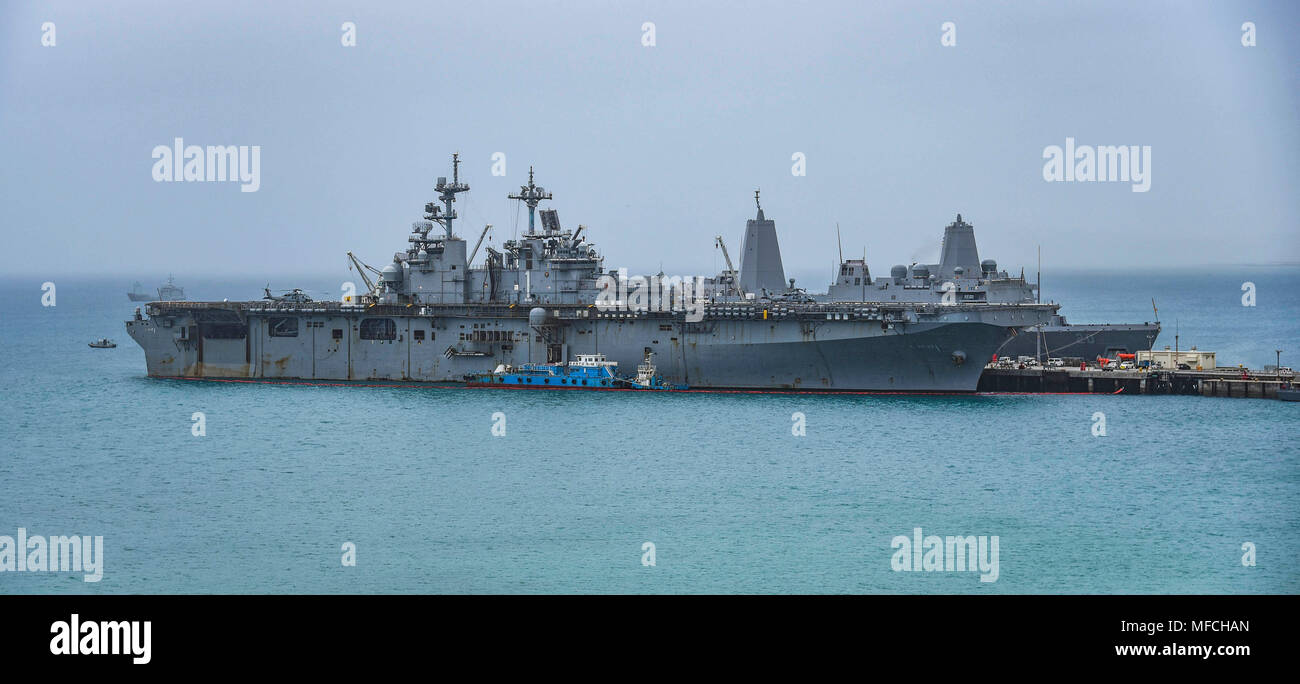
(447, 195)
(531, 195)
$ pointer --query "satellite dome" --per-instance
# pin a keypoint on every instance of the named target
(959, 271)
(989, 265)
(898, 272)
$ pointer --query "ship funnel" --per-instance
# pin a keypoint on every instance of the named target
(958, 249)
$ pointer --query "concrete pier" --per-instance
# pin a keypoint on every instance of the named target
(1212, 383)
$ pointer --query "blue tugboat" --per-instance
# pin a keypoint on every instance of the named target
(588, 371)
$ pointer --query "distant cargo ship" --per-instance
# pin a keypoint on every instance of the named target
(170, 292)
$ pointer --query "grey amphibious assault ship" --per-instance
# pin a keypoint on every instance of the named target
(435, 316)
(960, 276)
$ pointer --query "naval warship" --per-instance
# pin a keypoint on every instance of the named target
(433, 315)
(137, 293)
(961, 276)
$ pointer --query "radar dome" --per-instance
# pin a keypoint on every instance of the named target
(898, 272)
(919, 271)
(392, 273)
(989, 265)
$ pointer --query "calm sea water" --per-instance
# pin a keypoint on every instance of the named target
(564, 502)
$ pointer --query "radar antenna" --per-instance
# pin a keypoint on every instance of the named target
(446, 194)
(531, 195)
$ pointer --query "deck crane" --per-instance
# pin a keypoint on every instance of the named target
(478, 244)
(362, 268)
(732, 276)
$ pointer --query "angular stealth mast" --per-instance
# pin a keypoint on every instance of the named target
(959, 250)
(760, 256)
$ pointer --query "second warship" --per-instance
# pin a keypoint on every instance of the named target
(960, 276)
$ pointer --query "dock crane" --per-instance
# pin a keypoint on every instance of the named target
(362, 268)
(732, 277)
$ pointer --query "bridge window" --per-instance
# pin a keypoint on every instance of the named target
(224, 331)
(282, 326)
(378, 329)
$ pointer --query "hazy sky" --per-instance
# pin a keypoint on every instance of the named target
(655, 149)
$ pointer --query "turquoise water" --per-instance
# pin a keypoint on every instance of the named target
(732, 501)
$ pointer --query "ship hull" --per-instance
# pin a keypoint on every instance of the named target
(1085, 341)
(943, 354)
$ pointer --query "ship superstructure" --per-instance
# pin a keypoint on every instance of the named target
(435, 316)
